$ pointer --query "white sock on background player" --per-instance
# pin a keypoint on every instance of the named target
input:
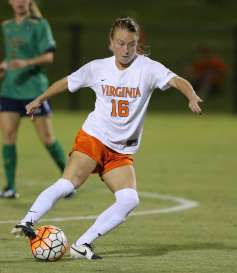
(126, 201)
(47, 199)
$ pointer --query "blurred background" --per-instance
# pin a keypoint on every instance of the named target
(180, 35)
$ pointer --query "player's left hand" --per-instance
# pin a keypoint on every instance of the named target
(32, 107)
(17, 64)
(193, 104)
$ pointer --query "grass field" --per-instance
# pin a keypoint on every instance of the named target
(187, 156)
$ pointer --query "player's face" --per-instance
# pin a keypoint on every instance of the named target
(124, 46)
(20, 7)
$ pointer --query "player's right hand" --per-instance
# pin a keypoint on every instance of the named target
(32, 107)
(194, 104)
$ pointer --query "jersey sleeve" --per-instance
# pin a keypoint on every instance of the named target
(159, 75)
(45, 40)
(81, 78)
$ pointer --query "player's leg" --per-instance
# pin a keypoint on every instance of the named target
(122, 182)
(77, 170)
(9, 125)
(121, 178)
(43, 126)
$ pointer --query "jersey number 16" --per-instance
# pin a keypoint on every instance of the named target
(122, 110)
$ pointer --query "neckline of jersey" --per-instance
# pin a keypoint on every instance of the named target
(124, 70)
(22, 21)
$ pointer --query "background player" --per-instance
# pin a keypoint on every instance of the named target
(123, 85)
(207, 74)
(29, 47)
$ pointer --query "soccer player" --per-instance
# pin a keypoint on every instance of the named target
(29, 47)
(123, 85)
(208, 72)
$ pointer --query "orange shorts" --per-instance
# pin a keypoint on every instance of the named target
(106, 158)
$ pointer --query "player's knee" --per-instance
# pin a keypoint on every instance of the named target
(128, 205)
(9, 137)
(47, 139)
(136, 202)
(128, 198)
(77, 177)
(132, 202)
(60, 189)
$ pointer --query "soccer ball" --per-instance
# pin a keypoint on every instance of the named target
(50, 244)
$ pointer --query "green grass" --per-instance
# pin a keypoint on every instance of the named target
(188, 156)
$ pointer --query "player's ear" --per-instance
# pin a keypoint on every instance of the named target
(111, 46)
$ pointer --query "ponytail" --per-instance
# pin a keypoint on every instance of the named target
(34, 9)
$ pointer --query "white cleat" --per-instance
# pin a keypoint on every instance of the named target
(84, 251)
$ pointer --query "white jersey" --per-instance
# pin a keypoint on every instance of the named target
(122, 97)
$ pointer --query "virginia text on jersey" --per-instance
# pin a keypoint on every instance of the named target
(121, 91)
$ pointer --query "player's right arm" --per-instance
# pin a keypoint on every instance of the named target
(55, 89)
(3, 68)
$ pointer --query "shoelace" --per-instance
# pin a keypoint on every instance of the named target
(91, 246)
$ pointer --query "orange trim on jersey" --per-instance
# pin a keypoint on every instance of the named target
(106, 158)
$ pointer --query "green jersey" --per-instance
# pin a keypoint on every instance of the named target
(27, 40)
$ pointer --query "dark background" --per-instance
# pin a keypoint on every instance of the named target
(174, 30)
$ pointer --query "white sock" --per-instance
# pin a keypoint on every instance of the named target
(47, 199)
(126, 201)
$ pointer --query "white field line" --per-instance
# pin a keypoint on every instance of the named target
(183, 205)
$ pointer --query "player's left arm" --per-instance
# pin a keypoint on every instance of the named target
(46, 58)
(186, 88)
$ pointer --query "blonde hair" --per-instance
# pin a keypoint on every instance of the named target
(34, 9)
